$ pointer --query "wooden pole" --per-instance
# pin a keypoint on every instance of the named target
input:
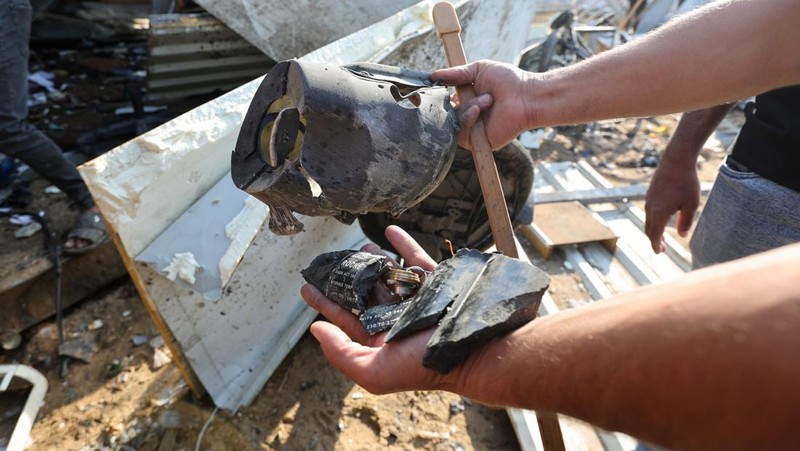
(449, 30)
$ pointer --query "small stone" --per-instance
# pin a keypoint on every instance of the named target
(11, 341)
(113, 369)
(156, 342)
(28, 230)
(161, 357)
(52, 189)
(357, 395)
(95, 325)
(126, 313)
(139, 340)
(82, 348)
(456, 407)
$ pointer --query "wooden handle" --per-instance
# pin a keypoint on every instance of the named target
(449, 29)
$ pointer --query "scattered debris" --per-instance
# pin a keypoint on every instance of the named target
(83, 348)
(52, 189)
(95, 325)
(28, 231)
(139, 340)
(161, 357)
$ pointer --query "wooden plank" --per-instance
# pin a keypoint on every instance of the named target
(28, 296)
(564, 223)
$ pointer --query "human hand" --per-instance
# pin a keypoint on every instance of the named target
(377, 366)
(675, 187)
(500, 99)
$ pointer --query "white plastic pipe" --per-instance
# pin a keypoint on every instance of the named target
(19, 437)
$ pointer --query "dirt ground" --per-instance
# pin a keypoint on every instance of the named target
(119, 400)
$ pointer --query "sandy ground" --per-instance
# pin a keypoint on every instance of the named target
(120, 400)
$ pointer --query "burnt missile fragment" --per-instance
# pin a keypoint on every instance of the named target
(506, 296)
(347, 277)
(453, 277)
(381, 317)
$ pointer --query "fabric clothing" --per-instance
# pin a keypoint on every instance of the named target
(19, 138)
(769, 142)
(744, 214)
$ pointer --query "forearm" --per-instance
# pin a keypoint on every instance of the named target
(691, 134)
(722, 52)
(713, 356)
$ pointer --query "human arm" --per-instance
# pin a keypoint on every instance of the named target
(724, 51)
(655, 362)
(675, 186)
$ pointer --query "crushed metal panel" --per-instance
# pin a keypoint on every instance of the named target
(190, 54)
(290, 29)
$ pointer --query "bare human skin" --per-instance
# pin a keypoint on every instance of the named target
(685, 65)
(707, 362)
(675, 187)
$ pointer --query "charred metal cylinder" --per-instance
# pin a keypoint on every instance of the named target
(324, 140)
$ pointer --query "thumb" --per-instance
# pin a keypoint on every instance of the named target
(349, 357)
(684, 222)
(457, 75)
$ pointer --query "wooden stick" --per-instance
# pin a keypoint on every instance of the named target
(449, 30)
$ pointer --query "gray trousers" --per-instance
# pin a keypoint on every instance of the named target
(744, 214)
(18, 138)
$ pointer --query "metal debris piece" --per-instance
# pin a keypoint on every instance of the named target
(401, 282)
(455, 210)
(325, 140)
(347, 277)
(473, 296)
(82, 348)
(450, 279)
(506, 296)
(382, 317)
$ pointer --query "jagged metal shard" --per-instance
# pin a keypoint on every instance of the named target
(382, 317)
(473, 297)
(346, 277)
(453, 277)
(506, 297)
(343, 141)
(454, 214)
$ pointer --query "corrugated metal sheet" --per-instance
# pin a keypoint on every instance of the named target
(190, 54)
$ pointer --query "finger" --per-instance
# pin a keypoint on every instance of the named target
(335, 313)
(469, 116)
(408, 248)
(346, 355)
(456, 76)
(654, 229)
(684, 223)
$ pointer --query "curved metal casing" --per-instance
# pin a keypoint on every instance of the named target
(343, 141)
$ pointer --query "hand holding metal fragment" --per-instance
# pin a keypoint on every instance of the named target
(471, 298)
(324, 140)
